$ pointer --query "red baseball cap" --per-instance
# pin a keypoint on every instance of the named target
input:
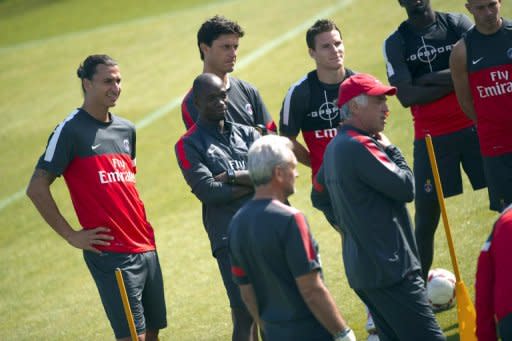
(362, 83)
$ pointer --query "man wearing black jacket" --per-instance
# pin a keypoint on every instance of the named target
(368, 183)
(212, 156)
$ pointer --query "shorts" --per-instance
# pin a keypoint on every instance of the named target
(232, 289)
(144, 286)
(498, 171)
(452, 150)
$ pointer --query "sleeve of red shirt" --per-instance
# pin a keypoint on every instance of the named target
(485, 323)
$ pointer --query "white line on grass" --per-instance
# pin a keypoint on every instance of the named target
(73, 35)
(244, 62)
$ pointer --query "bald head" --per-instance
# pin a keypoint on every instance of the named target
(210, 97)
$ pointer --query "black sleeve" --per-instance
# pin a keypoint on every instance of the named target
(462, 23)
(189, 112)
(299, 247)
(386, 172)
(199, 177)
(294, 108)
(59, 150)
(396, 66)
(321, 200)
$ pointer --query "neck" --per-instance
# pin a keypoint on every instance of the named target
(423, 19)
(331, 76)
(268, 191)
(97, 111)
(218, 124)
(490, 29)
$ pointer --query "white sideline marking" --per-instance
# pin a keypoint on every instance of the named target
(244, 62)
(105, 28)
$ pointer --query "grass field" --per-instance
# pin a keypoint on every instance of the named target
(46, 290)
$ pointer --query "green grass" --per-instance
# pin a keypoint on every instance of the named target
(46, 290)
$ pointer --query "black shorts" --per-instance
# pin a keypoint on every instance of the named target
(498, 172)
(144, 285)
(232, 289)
(402, 311)
(452, 150)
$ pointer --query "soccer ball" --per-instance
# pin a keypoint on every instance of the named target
(441, 289)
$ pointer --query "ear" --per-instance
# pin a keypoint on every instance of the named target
(311, 53)
(87, 84)
(204, 48)
(277, 174)
(353, 106)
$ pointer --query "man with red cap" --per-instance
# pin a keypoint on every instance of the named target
(368, 183)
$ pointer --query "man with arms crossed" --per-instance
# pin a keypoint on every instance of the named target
(95, 152)
(273, 252)
(368, 183)
(212, 156)
(481, 65)
(217, 40)
(417, 62)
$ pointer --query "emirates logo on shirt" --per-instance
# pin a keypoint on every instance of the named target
(121, 173)
(500, 85)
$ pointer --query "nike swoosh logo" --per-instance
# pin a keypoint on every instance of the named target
(94, 147)
(477, 60)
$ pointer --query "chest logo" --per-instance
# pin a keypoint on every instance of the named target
(248, 108)
(126, 145)
(476, 61)
(428, 53)
(509, 53)
(95, 146)
(328, 111)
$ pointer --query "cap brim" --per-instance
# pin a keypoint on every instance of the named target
(382, 90)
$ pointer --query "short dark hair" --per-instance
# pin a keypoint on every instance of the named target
(87, 69)
(212, 28)
(320, 26)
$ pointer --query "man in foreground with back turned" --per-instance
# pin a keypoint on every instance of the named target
(369, 183)
(275, 258)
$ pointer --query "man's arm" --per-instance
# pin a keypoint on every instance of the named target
(320, 302)
(460, 76)
(249, 298)
(411, 91)
(301, 152)
(38, 191)
(383, 167)
(321, 200)
(207, 187)
(242, 178)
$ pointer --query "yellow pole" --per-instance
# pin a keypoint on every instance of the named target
(126, 305)
(465, 308)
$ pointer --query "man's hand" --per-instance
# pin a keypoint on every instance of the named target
(222, 177)
(87, 239)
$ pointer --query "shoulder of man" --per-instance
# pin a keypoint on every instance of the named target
(121, 120)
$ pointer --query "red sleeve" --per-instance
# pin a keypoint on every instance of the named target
(485, 322)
